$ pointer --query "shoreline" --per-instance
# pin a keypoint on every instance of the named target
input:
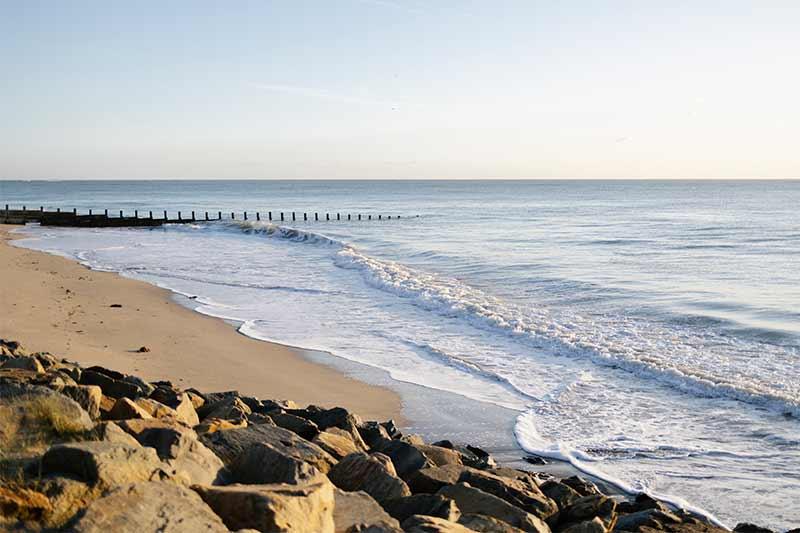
(63, 307)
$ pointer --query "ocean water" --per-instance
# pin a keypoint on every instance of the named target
(648, 332)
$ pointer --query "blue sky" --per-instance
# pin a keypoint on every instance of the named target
(399, 89)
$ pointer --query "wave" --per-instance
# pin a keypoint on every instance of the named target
(635, 346)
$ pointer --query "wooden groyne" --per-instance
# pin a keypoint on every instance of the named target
(116, 219)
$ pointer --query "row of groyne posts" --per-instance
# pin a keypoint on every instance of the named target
(101, 220)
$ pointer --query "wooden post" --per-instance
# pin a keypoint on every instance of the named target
(120, 213)
(90, 212)
(74, 212)
(206, 215)
(23, 208)
(258, 216)
(136, 213)
(379, 217)
(219, 215)
(105, 213)
(245, 215)
(165, 216)
(369, 217)
(359, 216)
(41, 208)
(193, 219)
(293, 217)
(305, 217)
(270, 216)
(316, 217)
(179, 216)
(151, 215)
(348, 217)
(337, 216)
(233, 216)
(281, 216)
(58, 209)
(327, 217)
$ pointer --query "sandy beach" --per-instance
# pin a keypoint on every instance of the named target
(53, 304)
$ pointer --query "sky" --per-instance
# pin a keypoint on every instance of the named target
(368, 89)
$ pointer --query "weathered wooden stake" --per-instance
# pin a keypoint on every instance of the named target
(369, 217)
(305, 217)
(316, 217)
(348, 216)
(233, 216)
(327, 216)
(219, 215)
(179, 216)
(258, 216)
(74, 212)
(105, 213)
(165, 216)
(293, 217)
(90, 212)
(359, 216)
(41, 208)
(136, 213)
(151, 215)
(281, 216)
(206, 215)
(269, 214)
(245, 215)
(193, 219)
(337, 216)
(120, 213)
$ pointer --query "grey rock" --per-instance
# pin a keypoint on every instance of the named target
(151, 506)
(563, 495)
(517, 493)
(581, 486)
(372, 432)
(266, 463)
(594, 525)
(302, 426)
(406, 457)
(115, 388)
(24, 363)
(430, 480)
(654, 518)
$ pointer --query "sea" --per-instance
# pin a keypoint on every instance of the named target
(645, 332)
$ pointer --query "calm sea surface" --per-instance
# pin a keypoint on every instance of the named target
(647, 332)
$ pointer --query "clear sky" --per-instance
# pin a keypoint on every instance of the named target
(399, 89)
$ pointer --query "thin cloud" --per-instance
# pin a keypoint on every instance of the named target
(322, 94)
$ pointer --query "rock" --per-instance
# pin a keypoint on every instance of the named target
(229, 444)
(23, 504)
(374, 474)
(155, 409)
(581, 486)
(212, 425)
(422, 504)
(642, 502)
(179, 447)
(430, 480)
(24, 363)
(304, 508)
(115, 388)
(106, 405)
(563, 495)
(391, 429)
(145, 389)
(66, 496)
(276, 463)
(197, 400)
(180, 402)
(654, 518)
(440, 456)
(231, 408)
(431, 524)
(406, 457)
(87, 396)
(486, 524)
(303, 427)
(476, 501)
(337, 417)
(588, 507)
(111, 432)
(150, 506)
(9, 347)
(124, 408)
(534, 460)
(143, 349)
(107, 464)
(372, 432)
(588, 526)
(746, 527)
(360, 509)
(515, 492)
(62, 413)
(476, 457)
(337, 442)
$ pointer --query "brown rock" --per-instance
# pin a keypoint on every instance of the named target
(24, 363)
(563, 495)
(594, 525)
(430, 524)
(476, 501)
(66, 496)
(107, 464)
(303, 427)
(23, 504)
(337, 442)
(111, 432)
(359, 510)
(588, 507)
(150, 506)
(231, 408)
(374, 474)
(304, 508)
(430, 480)
(407, 458)
(422, 504)
(212, 425)
(486, 524)
(517, 493)
(266, 463)
(87, 396)
(125, 408)
(155, 409)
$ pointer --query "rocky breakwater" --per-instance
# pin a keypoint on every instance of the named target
(94, 450)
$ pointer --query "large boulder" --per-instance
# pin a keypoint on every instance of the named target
(655, 518)
(407, 458)
(374, 474)
(45, 406)
(562, 494)
(431, 524)
(111, 386)
(359, 510)
(585, 509)
(125, 408)
(230, 444)
(476, 501)
(180, 402)
(337, 442)
(594, 525)
(67, 497)
(266, 463)
(152, 506)
(87, 396)
(230, 408)
(179, 447)
(430, 480)
(486, 524)
(107, 464)
(111, 432)
(302, 426)
(337, 417)
(24, 363)
(304, 508)
(372, 433)
(422, 504)
(516, 492)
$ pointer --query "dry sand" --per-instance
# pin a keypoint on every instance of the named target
(52, 304)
